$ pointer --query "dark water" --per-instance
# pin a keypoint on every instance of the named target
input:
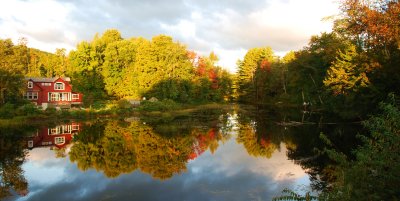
(239, 154)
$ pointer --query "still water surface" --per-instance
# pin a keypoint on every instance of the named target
(220, 155)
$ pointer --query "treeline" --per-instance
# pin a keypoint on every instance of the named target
(134, 68)
(347, 71)
(111, 67)
(17, 61)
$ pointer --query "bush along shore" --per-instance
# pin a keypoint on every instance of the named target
(15, 115)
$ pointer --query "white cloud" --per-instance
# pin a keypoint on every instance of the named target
(41, 22)
(227, 27)
(301, 18)
(228, 58)
(282, 25)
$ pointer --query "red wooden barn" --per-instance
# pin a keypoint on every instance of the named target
(48, 92)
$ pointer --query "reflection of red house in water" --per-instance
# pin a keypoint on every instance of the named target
(47, 92)
(58, 136)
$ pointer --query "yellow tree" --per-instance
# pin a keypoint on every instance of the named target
(346, 73)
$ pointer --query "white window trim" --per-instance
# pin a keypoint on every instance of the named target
(75, 96)
(31, 95)
(66, 129)
(57, 84)
(59, 96)
(59, 140)
(30, 84)
(53, 96)
(64, 96)
(75, 127)
(54, 131)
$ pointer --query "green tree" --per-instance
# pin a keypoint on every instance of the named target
(249, 73)
(119, 57)
(11, 86)
(14, 57)
(156, 61)
(6, 54)
(372, 26)
(374, 174)
(345, 75)
(61, 63)
(307, 71)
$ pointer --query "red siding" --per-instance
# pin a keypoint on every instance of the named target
(46, 137)
(44, 88)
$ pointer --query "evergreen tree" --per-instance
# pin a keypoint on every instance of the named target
(345, 74)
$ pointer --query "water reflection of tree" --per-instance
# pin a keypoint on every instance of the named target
(258, 135)
(12, 156)
(255, 145)
(121, 147)
(111, 151)
(261, 137)
(309, 154)
(162, 157)
(60, 152)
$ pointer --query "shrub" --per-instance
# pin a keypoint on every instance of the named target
(375, 172)
(124, 104)
(7, 111)
(27, 110)
(164, 105)
(50, 111)
(98, 105)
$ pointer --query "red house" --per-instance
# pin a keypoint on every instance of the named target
(58, 136)
(51, 92)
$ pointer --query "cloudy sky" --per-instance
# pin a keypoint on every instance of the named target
(227, 27)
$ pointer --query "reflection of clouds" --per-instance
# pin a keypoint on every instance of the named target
(235, 155)
(43, 168)
(282, 168)
(229, 174)
(40, 154)
(43, 154)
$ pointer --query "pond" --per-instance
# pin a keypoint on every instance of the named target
(236, 154)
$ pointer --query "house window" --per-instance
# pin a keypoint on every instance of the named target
(55, 131)
(64, 96)
(66, 129)
(59, 140)
(30, 85)
(59, 86)
(75, 96)
(46, 84)
(59, 97)
(31, 95)
(54, 96)
(75, 127)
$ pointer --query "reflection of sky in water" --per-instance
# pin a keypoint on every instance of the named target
(228, 174)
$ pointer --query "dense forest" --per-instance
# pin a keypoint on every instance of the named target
(110, 67)
(347, 71)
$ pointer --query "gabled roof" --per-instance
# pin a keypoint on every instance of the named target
(45, 79)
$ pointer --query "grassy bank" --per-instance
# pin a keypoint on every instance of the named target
(11, 115)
